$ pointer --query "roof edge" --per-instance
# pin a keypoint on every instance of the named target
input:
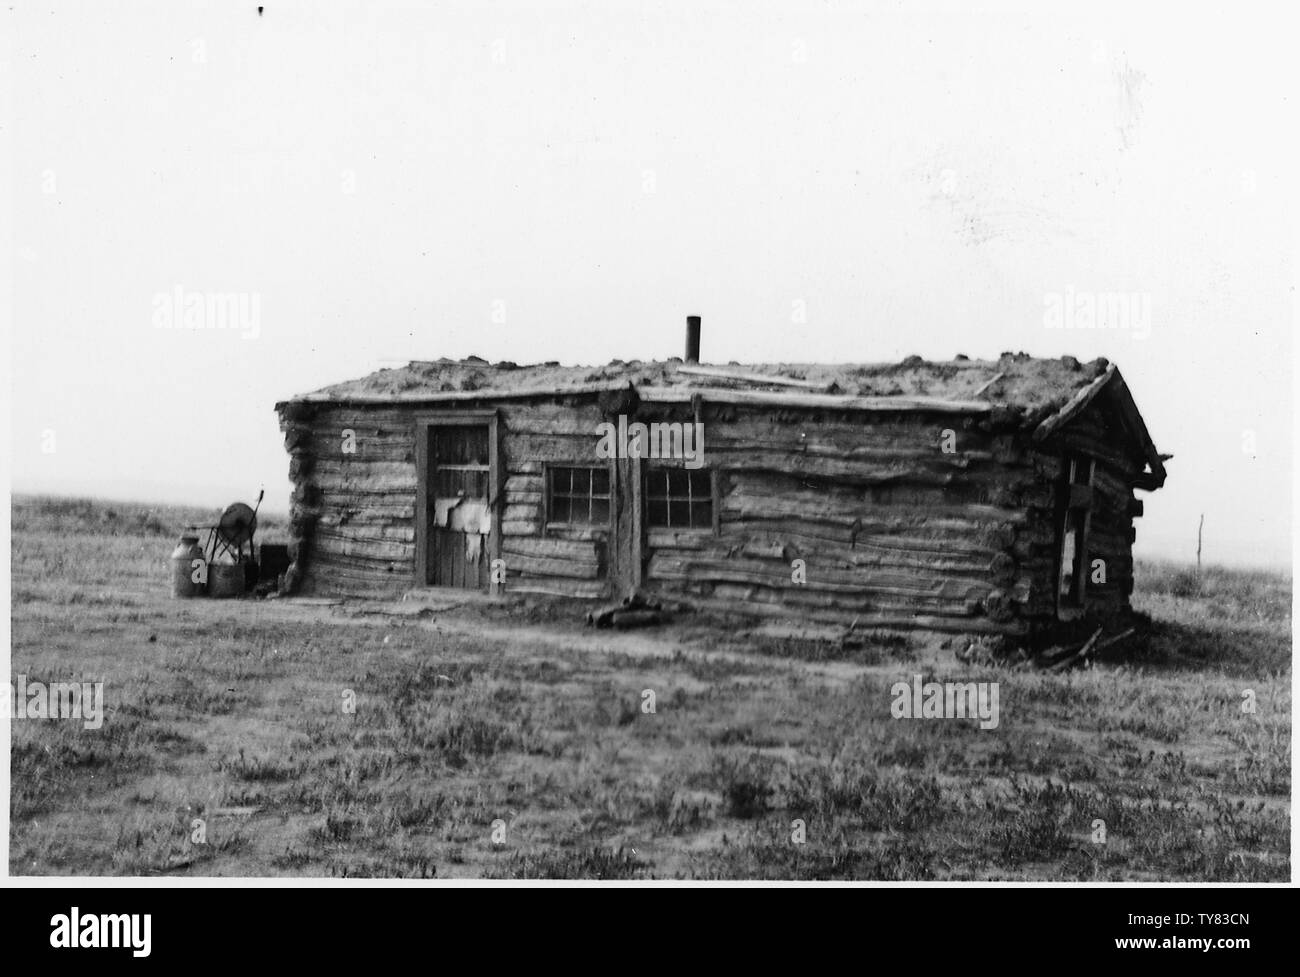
(1113, 381)
(662, 395)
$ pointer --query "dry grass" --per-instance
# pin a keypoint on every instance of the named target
(513, 718)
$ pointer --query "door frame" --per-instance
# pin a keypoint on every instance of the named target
(422, 426)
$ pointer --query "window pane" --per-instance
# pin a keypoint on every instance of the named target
(575, 495)
(679, 498)
(657, 512)
(460, 445)
(560, 510)
(702, 515)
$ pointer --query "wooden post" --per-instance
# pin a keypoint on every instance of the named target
(1198, 549)
(626, 544)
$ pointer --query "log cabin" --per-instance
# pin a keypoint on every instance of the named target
(970, 496)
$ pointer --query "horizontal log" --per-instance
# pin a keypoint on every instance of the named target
(555, 413)
(861, 620)
(550, 448)
(378, 531)
(840, 580)
(325, 569)
(568, 422)
(522, 513)
(754, 425)
(516, 563)
(517, 483)
(862, 443)
(832, 556)
(936, 469)
(366, 518)
(521, 528)
(371, 551)
(681, 540)
(1111, 483)
(356, 468)
(385, 416)
(801, 601)
(361, 481)
(557, 587)
(365, 445)
(841, 509)
(770, 548)
(551, 547)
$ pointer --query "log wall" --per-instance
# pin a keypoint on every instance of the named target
(353, 519)
(860, 517)
(1111, 530)
(892, 529)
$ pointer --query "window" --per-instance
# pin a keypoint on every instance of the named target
(679, 498)
(460, 459)
(577, 496)
(1074, 530)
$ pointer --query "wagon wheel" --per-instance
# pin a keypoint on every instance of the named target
(235, 529)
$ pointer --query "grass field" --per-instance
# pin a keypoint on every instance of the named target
(506, 740)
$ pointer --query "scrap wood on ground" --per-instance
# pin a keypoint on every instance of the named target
(635, 611)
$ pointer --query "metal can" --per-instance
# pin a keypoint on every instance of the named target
(226, 579)
(188, 577)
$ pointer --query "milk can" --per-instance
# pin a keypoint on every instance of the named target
(226, 579)
(187, 580)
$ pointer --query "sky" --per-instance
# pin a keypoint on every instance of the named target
(378, 182)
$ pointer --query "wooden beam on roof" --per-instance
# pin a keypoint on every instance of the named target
(451, 396)
(1074, 406)
(774, 379)
(715, 395)
(984, 386)
(1131, 418)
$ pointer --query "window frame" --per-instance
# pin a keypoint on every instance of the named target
(715, 509)
(570, 526)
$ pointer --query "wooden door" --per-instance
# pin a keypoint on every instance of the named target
(459, 501)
